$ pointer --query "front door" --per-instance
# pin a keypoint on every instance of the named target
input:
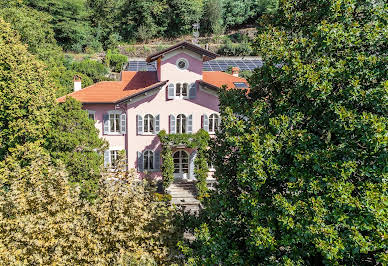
(181, 164)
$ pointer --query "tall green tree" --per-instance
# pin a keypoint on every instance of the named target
(73, 140)
(183, 14)
(26, 93)
(70, 21)
(302, 161)
(144, 19)
(212, 20)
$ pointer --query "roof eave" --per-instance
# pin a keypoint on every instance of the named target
(207, 54)
(210, 86)
(155, 86)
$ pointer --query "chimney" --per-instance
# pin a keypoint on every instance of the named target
(235, 71)
(77, 83)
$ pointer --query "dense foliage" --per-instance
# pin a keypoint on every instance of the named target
(29, 113)
(73, 140)
(91, 25)
(26, 95)
(44, 221)
(301, 162)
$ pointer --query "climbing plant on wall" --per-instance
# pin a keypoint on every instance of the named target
(198, 141)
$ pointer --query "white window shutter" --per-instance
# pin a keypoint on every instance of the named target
(106, 123)
(140, 162)
(192, 91)
(189, 124)
(106, 158)
(157, 124)
(205, 123)
(139, 125)
(123, 123)
(172, 124)
(171, 91)
(157, 160)
(192, 165)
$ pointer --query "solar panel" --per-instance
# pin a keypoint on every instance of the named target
(240, 85)
(141, 66)
(214, 65)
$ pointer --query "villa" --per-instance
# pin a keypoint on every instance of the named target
(178, 97)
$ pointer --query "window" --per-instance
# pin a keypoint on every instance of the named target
(213, 123)
(178, 89)
(114, 121)
(181, 90)
(181, 124)
(91, 114)
(114, 155)
(181, 162)
(148, 124)
(148, 160)
(184, 90)
(182, 63)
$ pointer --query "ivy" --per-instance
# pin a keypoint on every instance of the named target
(198, 141)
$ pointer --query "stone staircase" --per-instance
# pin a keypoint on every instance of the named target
(183, 194)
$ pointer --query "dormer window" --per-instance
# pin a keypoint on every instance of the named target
(181, 91)
(182, 63)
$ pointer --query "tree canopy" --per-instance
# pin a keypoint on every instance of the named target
(302, 159)
(26, 93)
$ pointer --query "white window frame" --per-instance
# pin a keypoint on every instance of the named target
(149, 161)
(111, 158)
(90, 112)
(213, 123)
(185, 124)
(115, 112)
(181, 96)
(182, 59)
(149, 124)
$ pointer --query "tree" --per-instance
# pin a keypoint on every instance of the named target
(184, 14)
(301, 163)
(26, 94)
(70, 21)
(212, 21)
(43, 220)
(73, 140)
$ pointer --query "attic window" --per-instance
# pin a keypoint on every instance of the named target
(182, 63)
(240, 85)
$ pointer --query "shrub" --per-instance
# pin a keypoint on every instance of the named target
(235, 49)
(115, 61)
(94, 69)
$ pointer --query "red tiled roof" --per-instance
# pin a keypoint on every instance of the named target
(219, 78)
(132, 83)
(135, 82)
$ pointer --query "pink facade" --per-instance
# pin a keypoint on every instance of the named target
(182, 104)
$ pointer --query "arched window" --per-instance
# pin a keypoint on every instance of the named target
(148, 158)
(214, 123)
(181, 162)
(148, 124)
(181, 124)
(178, 89)
(184, 90)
